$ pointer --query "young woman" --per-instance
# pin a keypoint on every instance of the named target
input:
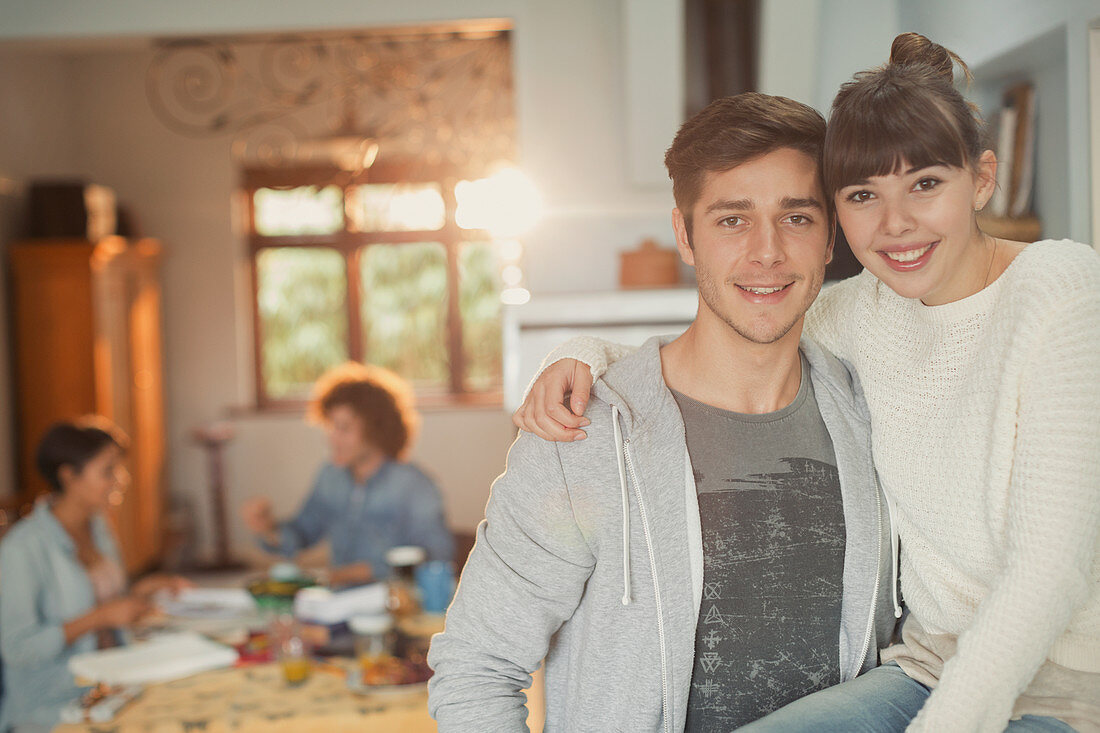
(64, 591)
(980, 360)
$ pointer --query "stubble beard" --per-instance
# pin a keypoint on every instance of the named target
(712, 299)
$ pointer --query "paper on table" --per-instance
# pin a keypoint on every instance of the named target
(208, 603)
(163, 658)
(327, 607)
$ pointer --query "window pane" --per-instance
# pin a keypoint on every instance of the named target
(479, 299)
(404, 309)
(396, 207)
(302, 210)
(303, 316)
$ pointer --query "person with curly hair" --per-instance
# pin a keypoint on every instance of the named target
(365, 499)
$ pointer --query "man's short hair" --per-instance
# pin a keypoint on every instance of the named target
(381, 400)
(734, 130)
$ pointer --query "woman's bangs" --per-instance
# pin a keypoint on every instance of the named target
(880, 142)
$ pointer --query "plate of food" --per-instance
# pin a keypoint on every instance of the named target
(403, 671)
(389, 675)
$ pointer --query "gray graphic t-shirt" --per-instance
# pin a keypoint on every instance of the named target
(773, 559)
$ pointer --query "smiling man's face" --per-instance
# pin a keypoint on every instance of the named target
(760, 241)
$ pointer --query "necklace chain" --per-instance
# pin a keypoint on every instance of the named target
(992, 258)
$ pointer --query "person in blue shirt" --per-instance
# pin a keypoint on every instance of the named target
(365, 499)
(63, 590)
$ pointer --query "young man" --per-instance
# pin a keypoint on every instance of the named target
(718, 546)
(365, 500)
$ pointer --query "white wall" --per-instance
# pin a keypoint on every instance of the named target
(854, 35)
(789, 48)
(808, 48)
(570, 106)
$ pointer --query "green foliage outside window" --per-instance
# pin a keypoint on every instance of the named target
(303, 320)
(479, 301)
(404, 310)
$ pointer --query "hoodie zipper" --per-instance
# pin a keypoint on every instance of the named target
(874, 594)
(656, 587)
(894, 559)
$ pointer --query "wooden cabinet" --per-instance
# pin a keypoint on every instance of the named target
(87, 339)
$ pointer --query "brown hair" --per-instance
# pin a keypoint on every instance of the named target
(907, 112)
(735, 130)
(382, 400)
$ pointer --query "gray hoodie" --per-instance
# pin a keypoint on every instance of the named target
(591, 556)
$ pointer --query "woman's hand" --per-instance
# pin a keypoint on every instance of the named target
(151, 585)
(544, 413)
(122, 612)
(119, 613)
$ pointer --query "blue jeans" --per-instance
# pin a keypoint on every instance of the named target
(883, 700)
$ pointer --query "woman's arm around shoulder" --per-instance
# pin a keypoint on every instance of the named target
(570, 369)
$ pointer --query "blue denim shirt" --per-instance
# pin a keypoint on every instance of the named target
(398, 505)
(43, 586)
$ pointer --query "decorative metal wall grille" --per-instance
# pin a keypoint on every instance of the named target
(443, 98)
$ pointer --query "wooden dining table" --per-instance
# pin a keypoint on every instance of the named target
(256, 698)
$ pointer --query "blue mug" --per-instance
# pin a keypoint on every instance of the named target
(436, 582)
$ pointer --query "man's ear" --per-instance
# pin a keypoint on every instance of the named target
(683, 239)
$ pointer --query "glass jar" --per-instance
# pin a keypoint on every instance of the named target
(402, 596)
(374, 638)
(291, 649)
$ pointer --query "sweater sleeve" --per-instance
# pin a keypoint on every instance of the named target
(523, 579)
(829, 319)
(597, 353)
(26, 638)
(427, 525)
(309, 525)
(1052, 520)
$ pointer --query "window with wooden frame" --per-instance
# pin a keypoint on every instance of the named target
(372, 267)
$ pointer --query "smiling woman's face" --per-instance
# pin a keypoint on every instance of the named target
(100, 483)
(915, 229)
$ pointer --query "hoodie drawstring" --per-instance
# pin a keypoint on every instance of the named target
(620, 455)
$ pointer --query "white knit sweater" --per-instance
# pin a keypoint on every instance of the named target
(986, 434)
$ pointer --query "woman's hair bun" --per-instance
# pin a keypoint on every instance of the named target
(913, 49)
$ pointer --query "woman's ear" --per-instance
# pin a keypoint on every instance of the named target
(986, 179)
(66, 474)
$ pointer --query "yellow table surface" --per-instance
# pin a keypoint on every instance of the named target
(257, 699)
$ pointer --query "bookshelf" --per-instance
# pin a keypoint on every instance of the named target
(1041, 64)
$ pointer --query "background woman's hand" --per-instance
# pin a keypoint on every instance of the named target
(150, 585)
(122, 612)
(544, 412)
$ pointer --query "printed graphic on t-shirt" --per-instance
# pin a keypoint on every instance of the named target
(770, 614)
(773, 535)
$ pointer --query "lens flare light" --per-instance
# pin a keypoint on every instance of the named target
(505, 204)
